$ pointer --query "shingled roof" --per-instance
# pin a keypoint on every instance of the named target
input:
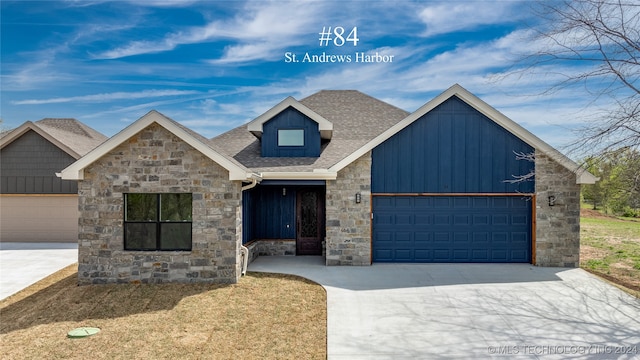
(357, 118)
(70, 135)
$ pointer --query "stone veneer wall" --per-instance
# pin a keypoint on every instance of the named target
(274, 247)
(348, 239)
(156, 161)
(557, 227)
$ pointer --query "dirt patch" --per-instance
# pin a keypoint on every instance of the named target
(635, 288)
(594, 214)
(589, 252)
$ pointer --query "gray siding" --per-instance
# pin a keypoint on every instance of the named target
(29, 164)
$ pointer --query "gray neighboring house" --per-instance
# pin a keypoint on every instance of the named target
(338, 174)
(35, 204)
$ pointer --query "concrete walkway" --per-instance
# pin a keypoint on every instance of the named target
(22, 264)
(440, 311)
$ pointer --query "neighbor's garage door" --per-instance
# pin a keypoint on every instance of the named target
(451, 229)
(39, 218)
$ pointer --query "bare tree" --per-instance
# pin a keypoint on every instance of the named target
(597, 43)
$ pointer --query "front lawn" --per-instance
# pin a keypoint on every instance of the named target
(611, 247)
(264, 316)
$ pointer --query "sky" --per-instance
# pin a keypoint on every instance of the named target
(215, 65)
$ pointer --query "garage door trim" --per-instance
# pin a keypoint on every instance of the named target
(529, 195)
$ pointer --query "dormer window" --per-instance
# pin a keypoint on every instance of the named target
(291, 129)
(291, 137)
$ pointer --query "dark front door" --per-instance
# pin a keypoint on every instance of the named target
(310, 210)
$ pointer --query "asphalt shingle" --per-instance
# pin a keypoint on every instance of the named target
(357, 118)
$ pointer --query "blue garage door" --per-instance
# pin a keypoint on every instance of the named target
(452, 229)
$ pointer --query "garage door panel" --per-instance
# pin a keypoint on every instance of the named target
(452, 229)
(404, 254)
(439, 219)
(500, 219)
(481, 220)
(461, 202)
(461, 220)
(519, 220)
(423, 255)
(422, 219)
(42, 218)
(423, 236)
(441, 202)
(441, 255)
(480, 255)
(480, 202)
(404, 219)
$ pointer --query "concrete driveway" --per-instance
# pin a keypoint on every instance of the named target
(441, 311)
(22, 264)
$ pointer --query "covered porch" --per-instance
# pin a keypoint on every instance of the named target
(284, 217)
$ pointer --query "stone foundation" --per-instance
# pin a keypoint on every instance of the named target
(348, 239)
(558, 226)
(156, 161)
(271, 247)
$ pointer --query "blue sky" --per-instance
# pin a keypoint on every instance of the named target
(214, 65)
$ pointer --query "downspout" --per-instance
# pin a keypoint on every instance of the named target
(243, 249)
(253, 184)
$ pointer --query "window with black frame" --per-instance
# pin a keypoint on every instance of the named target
(157, 221)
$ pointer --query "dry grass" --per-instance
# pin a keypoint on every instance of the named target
(264, 316)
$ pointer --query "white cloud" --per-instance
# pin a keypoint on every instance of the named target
(260, 28)
(107, 97)
(445, 17)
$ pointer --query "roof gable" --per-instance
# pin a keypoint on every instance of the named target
(70, 135)
(236, 170)
(356, 117)
(582, 176)
(324, 125)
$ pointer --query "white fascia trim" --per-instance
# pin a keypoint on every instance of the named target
(315, 175)
(75, 171)
(582, 176)
(324, 125)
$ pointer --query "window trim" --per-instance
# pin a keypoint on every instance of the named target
(158, 224)
(282, 130)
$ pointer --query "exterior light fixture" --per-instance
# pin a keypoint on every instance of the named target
(284, 191)
(552, 200)
(358, 198)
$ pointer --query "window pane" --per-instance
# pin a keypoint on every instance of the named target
(290, 137)
(175, 236)
(175, 207)
(140, 236)
(141, 207)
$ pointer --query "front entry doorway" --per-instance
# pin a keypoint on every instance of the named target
(310, 221)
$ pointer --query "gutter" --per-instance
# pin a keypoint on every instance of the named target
(317, 174)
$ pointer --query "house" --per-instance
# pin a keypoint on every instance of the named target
(36, 205)
(338, 174)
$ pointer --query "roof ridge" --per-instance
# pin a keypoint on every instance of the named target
(75, 127)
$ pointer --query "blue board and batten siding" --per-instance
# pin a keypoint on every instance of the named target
(290, 119)
(452, 149)
(267, 214)
(29, 166)
(449, 152)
